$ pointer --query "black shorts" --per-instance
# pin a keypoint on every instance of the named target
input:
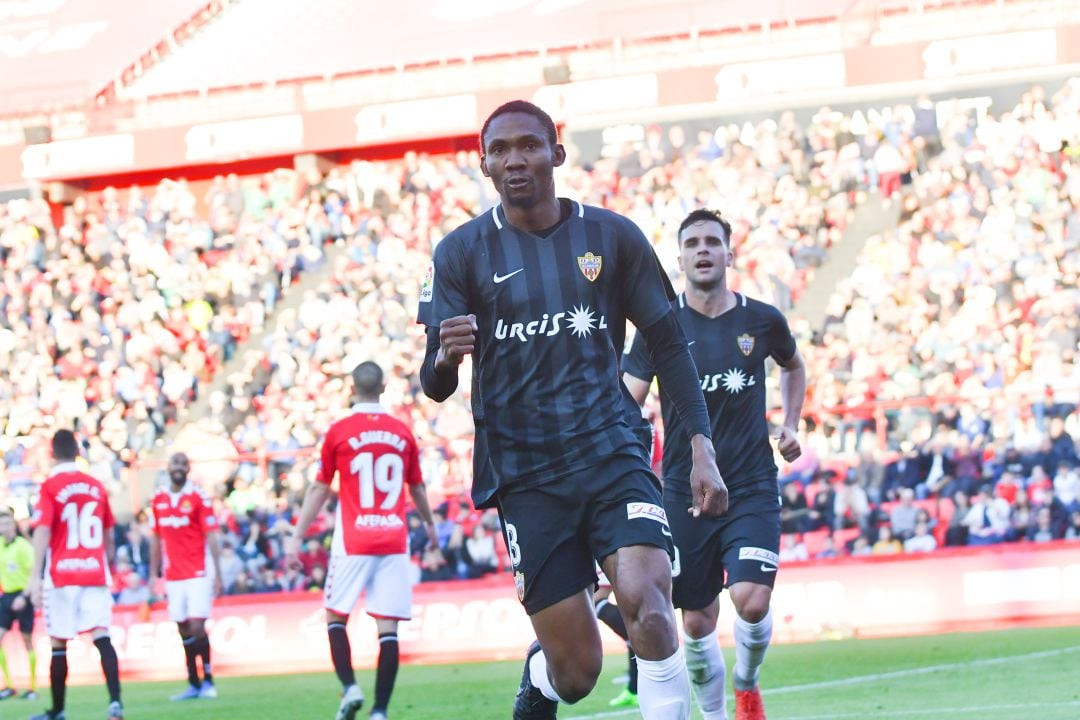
(743, 545)
(557, 532)
(9, 616)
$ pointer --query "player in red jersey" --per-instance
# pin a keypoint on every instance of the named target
(374, 455)
(185, 528)
(73, 544)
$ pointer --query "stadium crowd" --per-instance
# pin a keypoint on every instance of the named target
(118, 314)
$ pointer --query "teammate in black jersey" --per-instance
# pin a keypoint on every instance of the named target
(730, 337)
(538, 291)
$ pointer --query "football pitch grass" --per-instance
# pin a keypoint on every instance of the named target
(1019, 673)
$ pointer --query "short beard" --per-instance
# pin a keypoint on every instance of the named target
(178, 479)
(524, 202)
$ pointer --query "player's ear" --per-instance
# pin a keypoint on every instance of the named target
(483, 166)
(729, 258)
(558, 156)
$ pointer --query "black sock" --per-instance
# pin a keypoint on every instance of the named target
(341, 653)
(202, 649)
(110, 666)
(190, 654)
(387, 670)
(611, 617)
(632, 685)
(58, 679)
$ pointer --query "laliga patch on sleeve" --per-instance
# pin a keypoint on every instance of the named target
(428, 285)
(756, 553)
(646, 510)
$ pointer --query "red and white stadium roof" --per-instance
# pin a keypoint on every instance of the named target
(59, 52)
(260, 41)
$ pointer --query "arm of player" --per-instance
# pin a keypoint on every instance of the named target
(792, 395)
(155, 557)
(110, 548)
(678, 375)
(447, 346)
(42, 535)
(314, 499)
(418, 493)
(213, 542)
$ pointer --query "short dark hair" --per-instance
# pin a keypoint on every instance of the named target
(64, 445)
(368, 379)
(522, 106)
(705, 215)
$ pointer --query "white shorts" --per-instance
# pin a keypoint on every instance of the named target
(385, 581)
(76, 609)
(189, 598)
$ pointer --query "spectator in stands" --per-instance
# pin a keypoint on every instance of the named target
(1021, 516)
(793, 510)
(886, 544)
(481, 557)
(434, 567)
(1043, 530)
(903, 516)
(317, 581)
(921, 540)
(861, 547)
(988, 518)
(1072, 531)
(134, 591)
(851, 507)
(870, 474)
(828, 549)
(231, 567)
(957, 532)
(904, 472)
(793, 549)
(315, 555)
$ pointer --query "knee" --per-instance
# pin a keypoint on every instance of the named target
(576, 677)
(753, 608)
(698, 625)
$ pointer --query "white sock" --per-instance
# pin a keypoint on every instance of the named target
(664, 688)
(705, 662)
(538, 675)
(751, 642)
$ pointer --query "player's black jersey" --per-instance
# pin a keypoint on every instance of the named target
(551, 314)
(729, 352)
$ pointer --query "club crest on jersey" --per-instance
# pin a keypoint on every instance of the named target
(185, 506)
(590, 265)
(746, 344)
(519, 584)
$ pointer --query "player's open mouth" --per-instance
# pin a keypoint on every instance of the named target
(517, 182)
(703, 265)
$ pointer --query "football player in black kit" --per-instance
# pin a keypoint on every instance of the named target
(538, 291)
(730, 337)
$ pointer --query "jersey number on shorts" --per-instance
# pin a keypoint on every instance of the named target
(385, 474)
(512, 544)
(84, 527)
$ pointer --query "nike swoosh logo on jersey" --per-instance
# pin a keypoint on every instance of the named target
(767, 568)
(691, 343)
(500, 278)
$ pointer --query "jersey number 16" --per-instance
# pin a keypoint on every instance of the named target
(385, 474)
(84, 527)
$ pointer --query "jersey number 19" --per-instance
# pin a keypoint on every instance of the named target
(384, 474)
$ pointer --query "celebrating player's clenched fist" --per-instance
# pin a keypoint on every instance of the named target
(457, 338)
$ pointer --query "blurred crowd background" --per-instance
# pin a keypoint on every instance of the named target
(943, 383)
